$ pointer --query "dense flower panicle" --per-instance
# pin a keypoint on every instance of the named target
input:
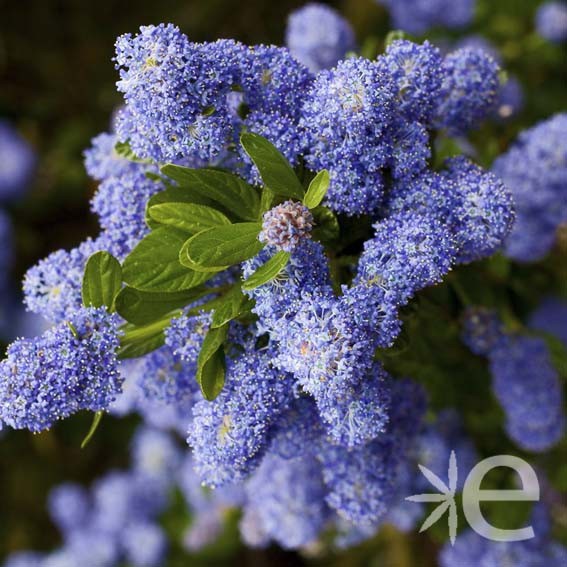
(175, 93)
(17, 162)
(69, 507)
(154, 454)
(483, 212)
(121, 497)
(70, 367)
(52, 288)
(551, 317)
(360, 413)
(410, 151)
(288, 497)
(102, 161)
(318, 36)
(527, 386)
(362, 481)
(252, 529)
(285, 226)
(417, 73)
(185, 336)
(551, 21)
(434, 446)
(469, 90)
(482, 330)
(418, 16)
(323, 347)
(306, 272)
(347, 117)
(473, 204)
(535, 170)
(145, 544)
(472, 549)
(120, 205)
(163, 376)
(297, 431)
(230, 434)
(407, 253)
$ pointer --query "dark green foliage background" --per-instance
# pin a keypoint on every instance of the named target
(57, 86)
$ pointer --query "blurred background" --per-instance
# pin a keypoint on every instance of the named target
(58, 91)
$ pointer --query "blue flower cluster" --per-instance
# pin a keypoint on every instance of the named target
(17, 165)
(535, 170)
(525, 381)
(418, 16)
(551, 21)
(472, 549)
(116, 520)
(309, 431)
(318, 36)
(71, 367)
(17, 162)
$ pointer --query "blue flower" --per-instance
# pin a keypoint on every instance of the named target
(469, 90)
(418, 16)
(346, 117)
(70, 367)
(527, 386)
(69, 507)
(535, 170)
(230, 434)
(17, 162)
(288, 497)
(52, 288)
(418, 74)
(551, 21)
(318, 36)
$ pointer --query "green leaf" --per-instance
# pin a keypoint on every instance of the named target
(123, 150)
(102, 280)
(212, 375)
(137, 341)
(188, 262)
(326, 225)
(317, 189)
(268, 271)
(189, 217)
(225, 245)
(143, 307)
(275, 170)
(229, 307)
(227, 189)
(154, 264)
(266, 200)
(174, 195)
(210, 365)
(94, 426)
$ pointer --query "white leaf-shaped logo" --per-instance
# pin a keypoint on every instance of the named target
(445, 497)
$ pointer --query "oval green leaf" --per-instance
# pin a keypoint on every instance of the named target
(189, 217)
(268, 271)
(225, 245)
(143, 307)
(227, 189)
(154, 264)
(275, 170)
(317, 189)
(102, 280)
